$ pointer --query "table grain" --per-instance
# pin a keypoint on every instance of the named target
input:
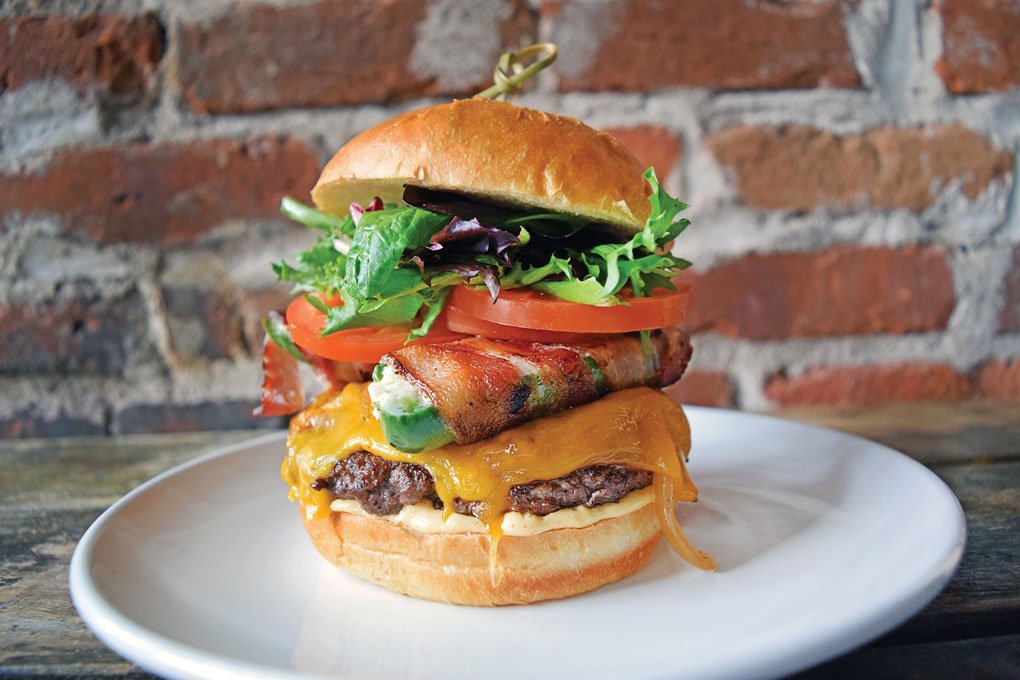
(51, 491)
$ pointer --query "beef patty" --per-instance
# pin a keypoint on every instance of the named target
(383, 487)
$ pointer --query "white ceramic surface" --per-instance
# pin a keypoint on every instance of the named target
(824, 541)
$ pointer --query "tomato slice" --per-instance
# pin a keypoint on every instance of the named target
(282, 392)
(366, 345)
(462, 322)
(529, 308)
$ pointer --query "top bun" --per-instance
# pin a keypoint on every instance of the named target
(494, 151)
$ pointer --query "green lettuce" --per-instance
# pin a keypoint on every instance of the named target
(609, 267)
(373, 266)
(378, 245)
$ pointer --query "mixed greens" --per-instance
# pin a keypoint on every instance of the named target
(396, 264)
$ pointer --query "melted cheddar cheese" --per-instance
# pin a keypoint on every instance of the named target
(641, 428)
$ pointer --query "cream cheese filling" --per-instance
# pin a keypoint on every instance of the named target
(425, 519)
(394, 394)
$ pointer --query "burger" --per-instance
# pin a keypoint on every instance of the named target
(492, 302)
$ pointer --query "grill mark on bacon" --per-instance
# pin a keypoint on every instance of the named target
(519, 397)
(479, 389)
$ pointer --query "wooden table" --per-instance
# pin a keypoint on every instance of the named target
(51, 490)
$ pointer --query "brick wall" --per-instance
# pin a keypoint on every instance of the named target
(852, 168)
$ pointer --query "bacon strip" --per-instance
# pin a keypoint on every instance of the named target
(336, 374)
(481, 387)
(282, 393)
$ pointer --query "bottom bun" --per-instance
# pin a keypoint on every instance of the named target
(456, 568)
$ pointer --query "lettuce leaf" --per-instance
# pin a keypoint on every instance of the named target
(608, 267)
(587, 291)
(319, 268)
(351, 313)
(275, 326)
(435, 300)
(662, 225)
(310, 217)
(379, 243)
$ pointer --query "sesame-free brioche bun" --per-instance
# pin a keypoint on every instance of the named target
(454, 567)
(496, 152)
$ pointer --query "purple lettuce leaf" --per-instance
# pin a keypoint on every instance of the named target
(357, 210)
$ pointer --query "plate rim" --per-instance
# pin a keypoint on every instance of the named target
(159, 654)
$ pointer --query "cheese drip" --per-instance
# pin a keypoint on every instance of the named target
(640, 427)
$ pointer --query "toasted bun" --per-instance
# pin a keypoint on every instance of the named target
(494, 151)
(455, 568)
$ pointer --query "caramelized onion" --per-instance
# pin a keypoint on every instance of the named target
(665, 506)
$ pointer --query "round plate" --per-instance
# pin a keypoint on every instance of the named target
(824, 541)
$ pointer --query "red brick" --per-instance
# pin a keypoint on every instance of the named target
(202, 323)
(80, 331)
(1009, 319)
(115, 53)
(725, 45)
(799, 168)
(703, 388)
(999, 378)
(980, 45)
(653, 145)
(167, 193)
(259, 57)
(843, 291)
(864, 385)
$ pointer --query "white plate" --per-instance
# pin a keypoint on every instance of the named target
(824, 541)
